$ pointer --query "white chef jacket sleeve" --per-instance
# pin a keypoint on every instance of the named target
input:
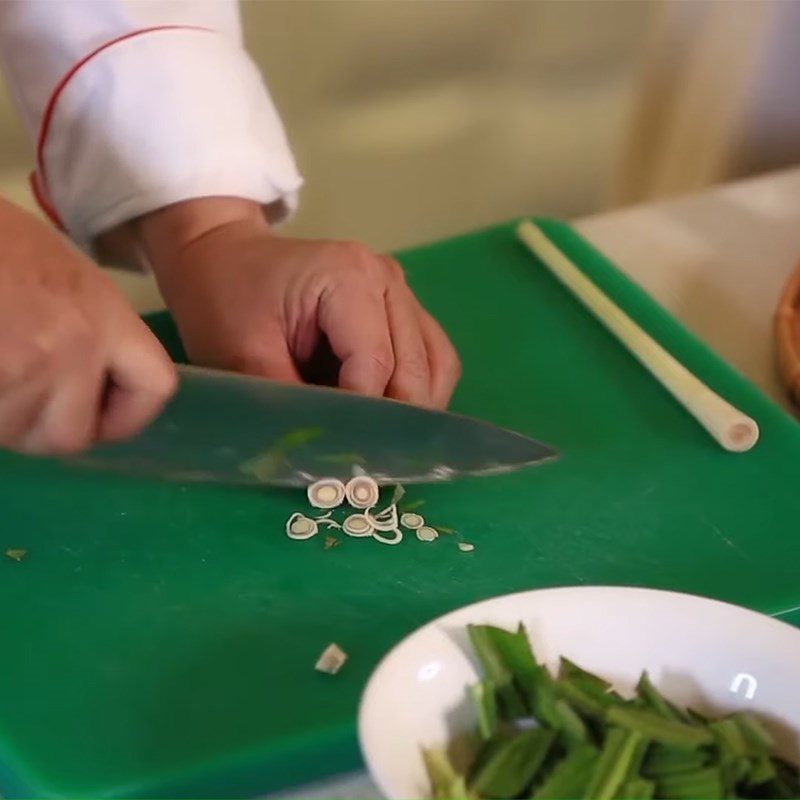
(137, 104)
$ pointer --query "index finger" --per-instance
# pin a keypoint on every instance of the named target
(355, 321)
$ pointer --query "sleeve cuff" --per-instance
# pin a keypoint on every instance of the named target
(157, 117)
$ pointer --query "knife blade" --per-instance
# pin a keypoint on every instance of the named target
(230, 428)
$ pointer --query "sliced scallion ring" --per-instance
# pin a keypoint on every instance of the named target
(362, 492)
(298, 526)
(326, 493)
(385, 520)
(396, 539)
(357, 525)
(412, 521)
(427, 534)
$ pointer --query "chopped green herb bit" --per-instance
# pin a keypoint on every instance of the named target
(588, 698)
(297, 438)
(16, 554)
(266, 465)
(664, 759)
(484, 701)
(761, 770)
(754, 732)
(502, 656)
(447, 783)
(570, 776)
(569, 669)
(512, 763)
(653, 700)
(701, 783)
(637, 789)
(656, 728)
(619, 749)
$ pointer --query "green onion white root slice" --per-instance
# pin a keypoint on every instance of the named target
(326, 493)
(395, 539)
(427, 534)
(362, 492)
(385, 520)
(412, 521)
(299, 526)
(331, 660)
(415, 522)
(326, 520)
(466, 547)
(357, 525)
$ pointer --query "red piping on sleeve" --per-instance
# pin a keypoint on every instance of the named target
(38, 179)
(43, 202)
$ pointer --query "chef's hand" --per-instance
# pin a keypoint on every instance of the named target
(76, 363)
(248, 300)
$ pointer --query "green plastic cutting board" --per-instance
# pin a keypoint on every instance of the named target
(159, 639)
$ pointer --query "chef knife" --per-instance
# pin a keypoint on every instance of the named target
(231, 428)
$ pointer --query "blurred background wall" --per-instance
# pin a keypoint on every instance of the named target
(415, 119)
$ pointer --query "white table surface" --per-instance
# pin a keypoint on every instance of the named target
(717, 260)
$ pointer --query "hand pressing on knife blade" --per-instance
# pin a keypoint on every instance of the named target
(248, 300)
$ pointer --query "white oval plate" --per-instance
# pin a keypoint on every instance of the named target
(702, 653)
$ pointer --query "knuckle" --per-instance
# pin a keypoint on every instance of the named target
(396, 271)
(354, 251)
(414, 366)
(453, 366)
(70, 335)
(381, 361)
(20, 360)
(78, 328)
(359, 261)
(164, 384)
(70, 331)
(66, 335)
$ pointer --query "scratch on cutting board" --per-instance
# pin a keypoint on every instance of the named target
(728, 542)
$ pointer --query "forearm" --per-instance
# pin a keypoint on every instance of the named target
(166, 235)
(143, 106)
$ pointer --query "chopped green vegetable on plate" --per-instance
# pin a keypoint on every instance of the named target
(572, 736)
